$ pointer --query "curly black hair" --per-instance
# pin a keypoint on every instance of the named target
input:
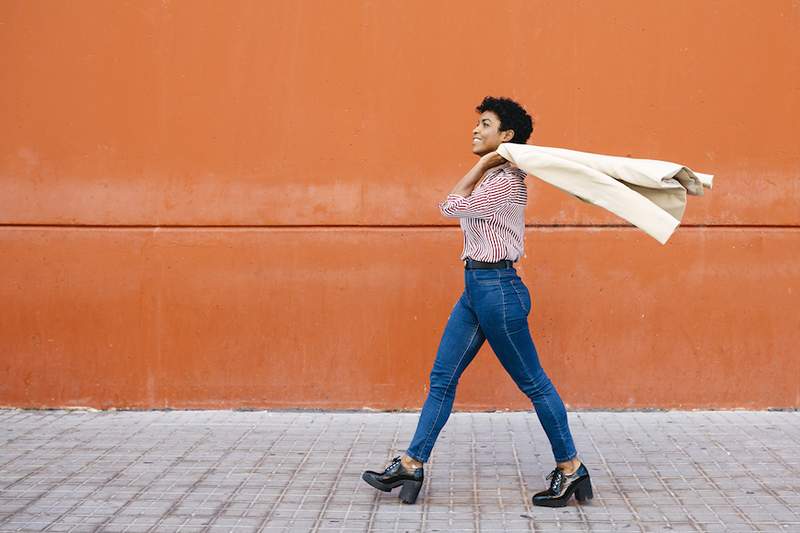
(512, 117)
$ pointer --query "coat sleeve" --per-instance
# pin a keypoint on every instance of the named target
(481, 204)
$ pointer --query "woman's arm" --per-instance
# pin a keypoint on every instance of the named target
(467, 183)
(483, 204)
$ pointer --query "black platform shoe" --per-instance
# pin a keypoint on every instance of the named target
(562, 486)
(394, 475)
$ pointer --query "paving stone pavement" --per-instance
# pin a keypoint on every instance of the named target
(241, 471)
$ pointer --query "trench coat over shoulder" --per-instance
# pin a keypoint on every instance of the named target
(648, 193)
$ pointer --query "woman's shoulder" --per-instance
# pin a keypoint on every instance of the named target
(511, 170)
(504, 176)
(506, 170)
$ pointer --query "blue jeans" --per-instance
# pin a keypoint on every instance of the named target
(494, 306)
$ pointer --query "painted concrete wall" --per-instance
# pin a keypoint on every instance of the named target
(233, 204)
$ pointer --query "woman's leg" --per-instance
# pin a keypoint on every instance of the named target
(461, 340)
(503, 313)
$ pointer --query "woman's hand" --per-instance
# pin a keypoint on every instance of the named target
(465, 186)
(492, 159)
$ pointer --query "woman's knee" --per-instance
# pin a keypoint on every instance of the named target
(444, 380)
(538, 384)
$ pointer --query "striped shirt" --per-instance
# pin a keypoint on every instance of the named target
(492, 217)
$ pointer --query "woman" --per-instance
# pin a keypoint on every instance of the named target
(490, 203)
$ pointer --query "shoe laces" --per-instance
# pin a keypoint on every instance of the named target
(394, 462)
(557, 477)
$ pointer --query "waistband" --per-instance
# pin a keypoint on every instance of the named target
(470, 264)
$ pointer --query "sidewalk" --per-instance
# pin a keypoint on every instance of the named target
(247, 471)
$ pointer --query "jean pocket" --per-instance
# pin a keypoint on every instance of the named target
(523, 294)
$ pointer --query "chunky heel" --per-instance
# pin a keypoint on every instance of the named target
(408, 494)
(583, 490)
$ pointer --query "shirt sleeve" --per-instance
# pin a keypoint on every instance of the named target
(484, 203)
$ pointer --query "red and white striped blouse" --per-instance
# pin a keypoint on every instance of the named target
(492, 217)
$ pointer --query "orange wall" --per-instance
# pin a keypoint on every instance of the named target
(233, 204)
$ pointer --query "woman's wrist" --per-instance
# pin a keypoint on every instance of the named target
(482, 165)
(467, 183)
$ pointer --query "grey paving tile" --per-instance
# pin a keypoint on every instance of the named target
(300, 471)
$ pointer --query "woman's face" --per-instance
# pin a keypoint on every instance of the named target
(486, 137)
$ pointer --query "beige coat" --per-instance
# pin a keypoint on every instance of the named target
(648, 193)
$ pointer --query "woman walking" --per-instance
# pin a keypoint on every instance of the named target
(490, 202)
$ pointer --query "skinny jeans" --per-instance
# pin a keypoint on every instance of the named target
(494, 306)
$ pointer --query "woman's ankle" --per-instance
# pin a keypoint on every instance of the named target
(409, 462)
(570, 466)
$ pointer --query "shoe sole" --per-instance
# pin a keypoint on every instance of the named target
(379, 485)
(408, 494)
